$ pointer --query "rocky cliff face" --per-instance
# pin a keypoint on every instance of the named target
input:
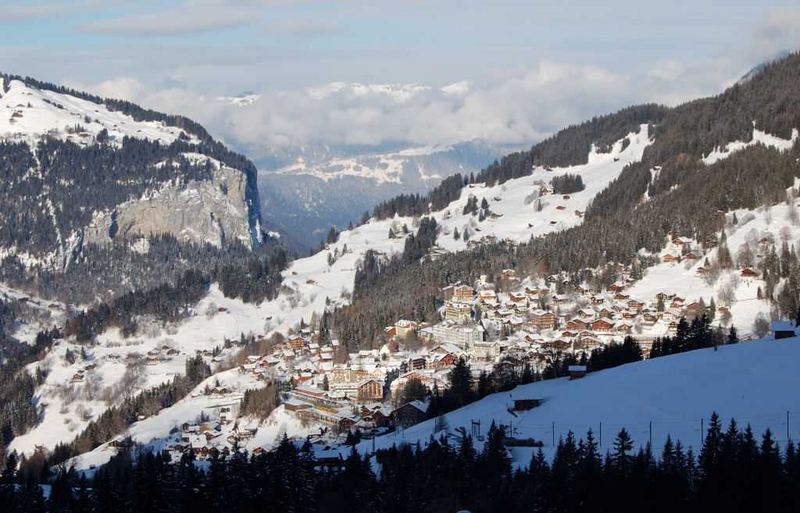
(212, 211)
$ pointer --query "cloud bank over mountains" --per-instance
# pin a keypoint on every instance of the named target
(519, 109)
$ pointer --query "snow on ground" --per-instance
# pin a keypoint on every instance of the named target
(380, 167)
(69, 406)
(515, 199)
(773, 223)
(158, 432)
(27, 114)
(754, 382)
(43, 314)
(759, 137)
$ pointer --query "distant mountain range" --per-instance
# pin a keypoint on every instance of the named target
(305, 198)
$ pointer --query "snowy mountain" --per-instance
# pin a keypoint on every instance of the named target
(85, 172)
(309, 196)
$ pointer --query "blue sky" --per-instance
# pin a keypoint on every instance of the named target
(159, 52)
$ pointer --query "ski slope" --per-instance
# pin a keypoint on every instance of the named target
(754, 382)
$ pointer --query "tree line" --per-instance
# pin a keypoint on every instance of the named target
(733, 471)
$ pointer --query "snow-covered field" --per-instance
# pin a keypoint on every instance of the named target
(513, 200)
(753, 382)
(27, 114)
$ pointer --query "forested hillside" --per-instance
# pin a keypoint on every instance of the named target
(677, 188)
(132, 197)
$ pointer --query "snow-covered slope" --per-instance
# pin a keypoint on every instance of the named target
(521, 212)
(162, 430)
(179, 182)
(28, 113)
(759, 137)
(755, 229)
(752, 382)
(68, 406)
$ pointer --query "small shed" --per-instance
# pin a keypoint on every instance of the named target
(576, 371)
(526, 404)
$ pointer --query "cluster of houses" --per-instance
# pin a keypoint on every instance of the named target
(524, 321)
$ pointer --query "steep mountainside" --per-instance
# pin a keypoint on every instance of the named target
(87, 179)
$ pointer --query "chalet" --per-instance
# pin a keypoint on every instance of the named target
(577, 324)
(463, 293)
(526, 404)
(602, 325)
(616, 287)
(543, 320)
(296, 343)
(487, 296)
(370, 390)
(561, 344)
(649, 318)
(517, 297)
(693, 310)
(293, 405)
(634, 305)
(417, 363)
(409, 414)
(748, 272)
(623, 327)
(447, 360)
(587, 343)
(605, 312)
(576, 371)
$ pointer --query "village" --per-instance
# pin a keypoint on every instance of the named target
(507, 323)
(521, 321)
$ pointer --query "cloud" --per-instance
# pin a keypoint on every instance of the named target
(306, 27)
(518, 109)
(175, 21)
(28, 12)
(779, 31)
